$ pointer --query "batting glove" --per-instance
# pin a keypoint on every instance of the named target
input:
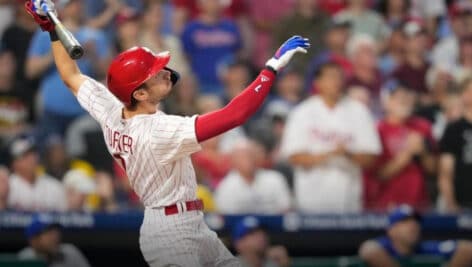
(38, 9)
(286, 52)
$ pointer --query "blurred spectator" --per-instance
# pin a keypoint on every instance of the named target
(56, 161)
(236, 76)
(101, 14)
(399, 173)
(150, 36)
(455, 165)
(394, 52)
(105, 190)
(446, 51)
(4, 187)
(210, 42)
(362, 51)
(264, 18)
(187, 10)
(403, 241)
(211, 164)
(412, 72)
(29, 190)
(328, 139)
(335, 39)
(249, 188)
(451, 111)
(430, 11)
(127, 29)
(464, 64)
(78, 186)
(251, 243)
(395, 12)
(13, 108)
(7, 13)
(364, 20)
(59, 106)
(307, 21)
(17, 38)
(44, 237)
(183, 98)
(279, 255)
(332, 6)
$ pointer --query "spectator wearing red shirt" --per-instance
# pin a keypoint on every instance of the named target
(412, 72)
(399, 174)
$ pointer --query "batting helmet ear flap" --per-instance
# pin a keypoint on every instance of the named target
(174, 75)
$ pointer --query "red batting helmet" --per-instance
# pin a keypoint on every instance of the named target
(132, 68)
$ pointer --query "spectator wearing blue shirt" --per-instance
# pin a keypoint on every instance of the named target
(402, 241)
(59, 106)
(210, 43)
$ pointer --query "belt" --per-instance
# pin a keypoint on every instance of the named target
(183, 206)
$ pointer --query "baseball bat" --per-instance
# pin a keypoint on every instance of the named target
(72, 46)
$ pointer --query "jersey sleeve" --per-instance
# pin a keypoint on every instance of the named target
(95, 98)
(366, 137)
(173, 137)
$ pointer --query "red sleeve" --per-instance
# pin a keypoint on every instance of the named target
(237, 111)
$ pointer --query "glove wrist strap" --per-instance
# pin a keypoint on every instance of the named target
(53, 36)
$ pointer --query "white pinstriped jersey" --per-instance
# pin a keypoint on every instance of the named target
(154, 149)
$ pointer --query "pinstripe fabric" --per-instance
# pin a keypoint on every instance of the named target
(155, 151)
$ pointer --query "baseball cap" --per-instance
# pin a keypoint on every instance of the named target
(126, 15)
(459, 9)
(40, 224)
(401, 213)
(79, 181)
(20, 146)
(244, 227)
(413, 28)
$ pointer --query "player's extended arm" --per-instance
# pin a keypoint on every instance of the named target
(246, 103)
(68, 69)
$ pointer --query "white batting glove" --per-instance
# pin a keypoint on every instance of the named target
(41, 7)
(287, 50)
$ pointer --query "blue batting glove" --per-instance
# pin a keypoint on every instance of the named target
(287, 50)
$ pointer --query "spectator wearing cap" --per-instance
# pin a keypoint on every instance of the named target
(78, 186)
(59, 106)
(403, 241)
(398, 176)
(250, 189)
(308, 21)
(14, 110)
(328, 139)
(394, 52)
(412, 72)
(127, 29)
(335, 40)
(364, 20)
(44, 237)
(211, 42)
(4, 187)
(251, 243)
(362, 50)
(455, 163)
(29, 190)
(446, 51)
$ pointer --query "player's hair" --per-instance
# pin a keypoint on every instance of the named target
(326, 65)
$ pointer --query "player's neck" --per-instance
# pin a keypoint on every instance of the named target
(129, 112)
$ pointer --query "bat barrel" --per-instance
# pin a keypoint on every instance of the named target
(72, 46)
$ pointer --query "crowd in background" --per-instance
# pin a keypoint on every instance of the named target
(377, 113)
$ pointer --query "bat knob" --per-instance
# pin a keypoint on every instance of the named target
(76, 52)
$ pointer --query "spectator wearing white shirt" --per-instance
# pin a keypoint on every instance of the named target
(328, 138)
(250, 189)
(29, 191)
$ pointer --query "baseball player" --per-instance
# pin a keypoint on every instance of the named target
(154, 147)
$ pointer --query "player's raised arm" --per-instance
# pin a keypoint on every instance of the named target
(66, 67)
(247, 102)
